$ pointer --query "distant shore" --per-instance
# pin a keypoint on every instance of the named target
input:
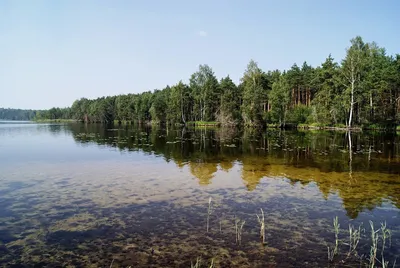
(55, 121)
(218, 124)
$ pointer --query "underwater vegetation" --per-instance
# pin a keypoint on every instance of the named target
(200, 198)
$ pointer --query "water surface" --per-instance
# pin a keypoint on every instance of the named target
(90, 195)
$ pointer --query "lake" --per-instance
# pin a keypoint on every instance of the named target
(76, 195)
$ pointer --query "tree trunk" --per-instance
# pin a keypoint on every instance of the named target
(306, 97)
(284, 117)
(371, 107)
(182, 112)
(298, 95)
(351, 104)
(293, 98)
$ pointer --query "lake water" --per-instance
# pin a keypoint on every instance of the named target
(90, 196)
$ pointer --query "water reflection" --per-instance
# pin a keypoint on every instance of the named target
(362, 169)
(146, 205)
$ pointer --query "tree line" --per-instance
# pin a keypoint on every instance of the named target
(362, 90)
(17, 114)
(28, 115)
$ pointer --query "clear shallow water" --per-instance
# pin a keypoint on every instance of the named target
(85, 195)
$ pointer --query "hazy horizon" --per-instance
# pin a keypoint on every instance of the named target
(56, 52)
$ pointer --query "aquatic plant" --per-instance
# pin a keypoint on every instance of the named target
(386, 234)
(238, 230)
(209, 211)
(354, 239)
(261, 221)
(212, 264)
(332, 253)
(336, 227)
(112, 262)
(374, 247)
(197, 264)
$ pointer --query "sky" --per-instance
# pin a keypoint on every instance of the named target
(54, 52)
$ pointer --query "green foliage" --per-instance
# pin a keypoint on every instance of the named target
(272, 126)
(158, 109)
(179, 104)
(229, 112)
(303, 126)
(255, 92)
(17, 114)
(280, 99)
(299, 114)
(318, 125)
(53, 114)
(203, 123)
(327, 103)
(205, 94)
(123, 107)
(340, 125)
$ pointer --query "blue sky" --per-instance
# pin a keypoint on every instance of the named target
(53, 52)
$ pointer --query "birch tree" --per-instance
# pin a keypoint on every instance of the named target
(352, 70)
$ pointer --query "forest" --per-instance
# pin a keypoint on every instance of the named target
(362, 90)
(17, 114)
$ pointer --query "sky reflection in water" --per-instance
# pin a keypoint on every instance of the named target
(83, 195)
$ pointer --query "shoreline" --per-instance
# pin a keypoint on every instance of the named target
(55, 121)
(220, 125)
